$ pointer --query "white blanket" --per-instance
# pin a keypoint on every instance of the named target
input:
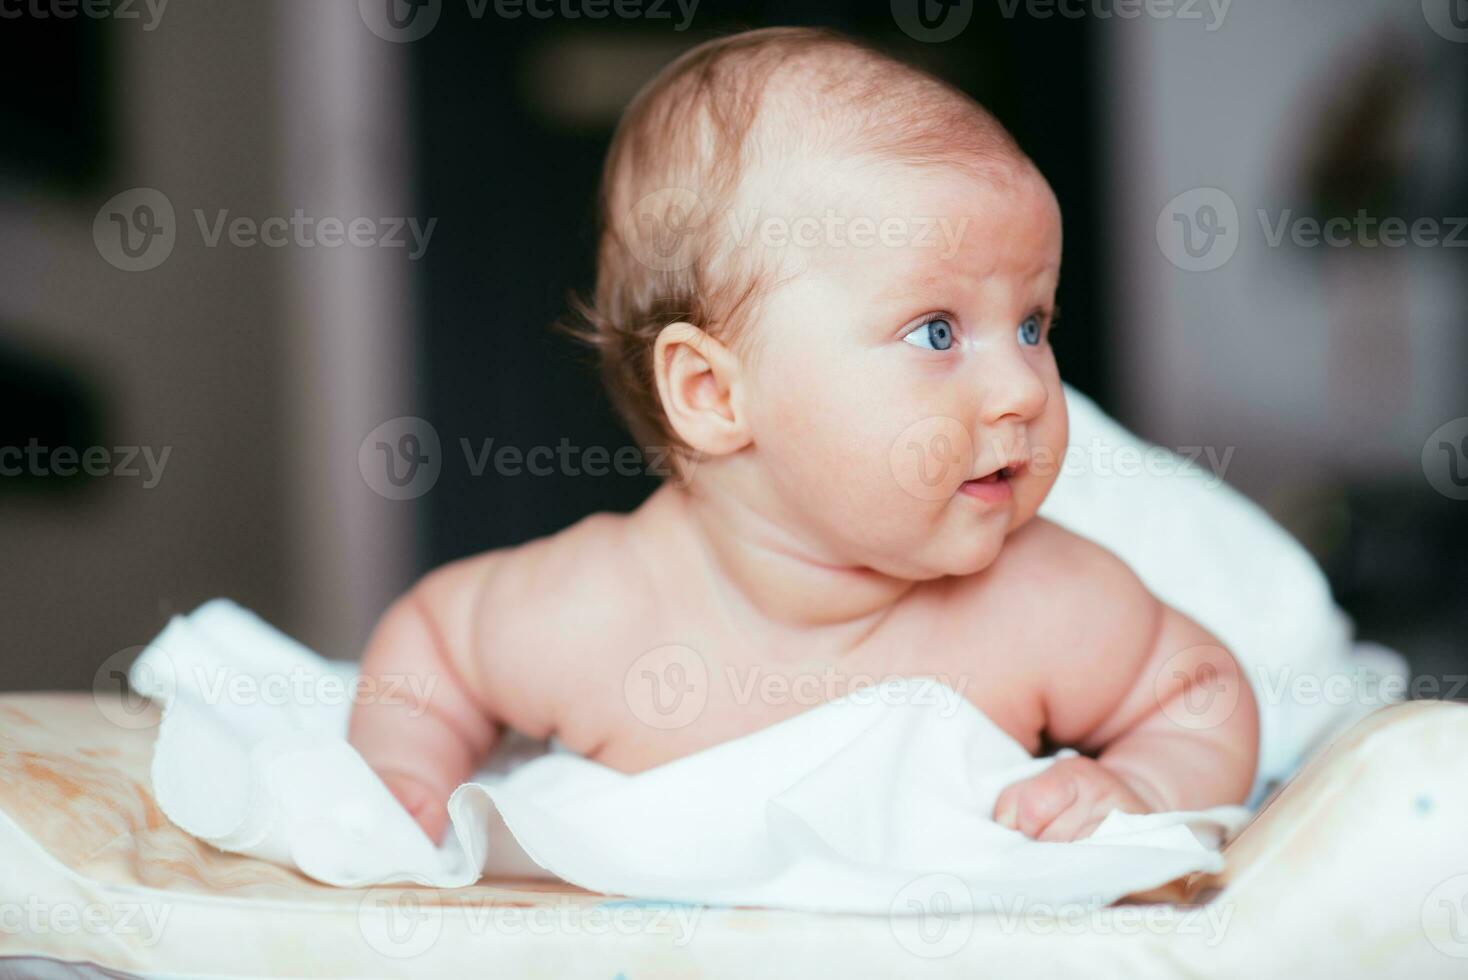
(846, 807)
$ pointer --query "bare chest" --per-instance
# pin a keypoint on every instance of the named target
(688, 689)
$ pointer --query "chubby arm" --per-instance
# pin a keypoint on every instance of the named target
(1187, 735)
(1162, 710)
(423, 723)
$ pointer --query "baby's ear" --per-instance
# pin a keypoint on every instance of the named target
(700, 386)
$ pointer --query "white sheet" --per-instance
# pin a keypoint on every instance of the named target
(846, 807)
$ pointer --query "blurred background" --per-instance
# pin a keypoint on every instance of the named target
(278, 280)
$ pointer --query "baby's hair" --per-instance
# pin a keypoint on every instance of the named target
(692, 134)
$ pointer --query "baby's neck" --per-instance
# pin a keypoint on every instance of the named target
(758, 569)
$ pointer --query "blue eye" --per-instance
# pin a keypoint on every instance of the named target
(1029, 331)
(936, 334)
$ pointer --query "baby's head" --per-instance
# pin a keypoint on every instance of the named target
(832, 277)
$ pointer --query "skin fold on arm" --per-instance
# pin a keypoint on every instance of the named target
(1179, 732)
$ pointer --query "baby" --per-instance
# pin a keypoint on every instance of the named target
(826, 280)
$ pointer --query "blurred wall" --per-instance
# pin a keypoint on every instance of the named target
(1264, 312)
(255, 369)
(1315, 364)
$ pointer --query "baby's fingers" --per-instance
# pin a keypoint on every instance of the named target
(1077, 821)
(1031, 805)
(420, 802)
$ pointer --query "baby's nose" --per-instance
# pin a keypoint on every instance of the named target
(1012, 388)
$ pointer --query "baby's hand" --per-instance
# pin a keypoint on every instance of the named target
(419, 799)
(1067, 801)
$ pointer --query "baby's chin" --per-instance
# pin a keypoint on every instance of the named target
(940, 556)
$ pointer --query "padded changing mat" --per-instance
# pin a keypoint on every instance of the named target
(1358, 868)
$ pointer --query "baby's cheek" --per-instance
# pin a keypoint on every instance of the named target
(1048, 448)
(831, 441)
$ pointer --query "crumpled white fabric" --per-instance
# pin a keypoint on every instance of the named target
(837, 809)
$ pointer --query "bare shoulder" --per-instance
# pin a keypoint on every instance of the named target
(535, 614)
(567, 588)
(1089, 623)
(1065, 560)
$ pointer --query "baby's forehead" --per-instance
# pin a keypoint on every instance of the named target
(833, 211)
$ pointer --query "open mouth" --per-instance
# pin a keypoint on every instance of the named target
(995, 486)
(1003, 473)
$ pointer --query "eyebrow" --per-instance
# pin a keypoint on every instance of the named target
(902, 290)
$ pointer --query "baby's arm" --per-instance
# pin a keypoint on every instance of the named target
(424, 724)
(1156, 699)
